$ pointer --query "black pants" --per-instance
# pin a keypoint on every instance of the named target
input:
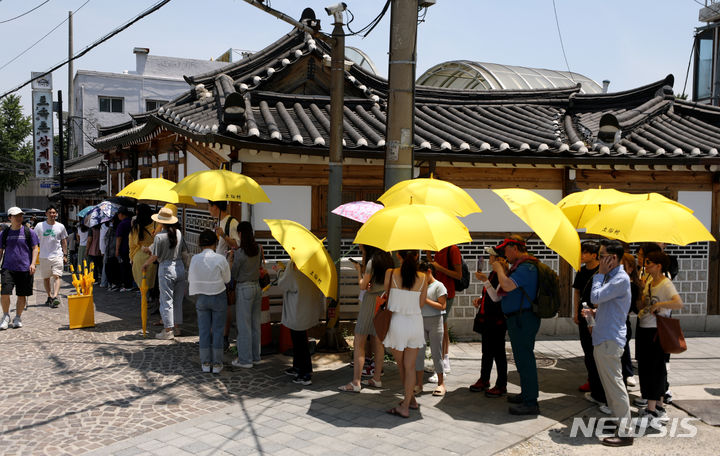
(125, 270)
(493, 349)
(596, 388)
(301, 353)
(626, 360)
(98, 261)
(651, 364)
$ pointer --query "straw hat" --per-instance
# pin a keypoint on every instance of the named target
(165, 216)
(172, 207)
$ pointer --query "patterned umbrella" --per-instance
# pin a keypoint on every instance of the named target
(85, 211)
(101, 213)
(359, 211)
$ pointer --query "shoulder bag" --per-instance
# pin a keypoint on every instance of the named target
(670, 334)
(382, 318)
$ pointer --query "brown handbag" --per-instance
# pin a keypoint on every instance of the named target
(382, 318)
(670, 335)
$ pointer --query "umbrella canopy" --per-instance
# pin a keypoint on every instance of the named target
(580, 207)
(155, 189)
(85, 211)
(412, 226)
(359, 211)
(649, 221)
(222, 185)
(101, 213)
(308, 254)
(433, 192)
(546, 220)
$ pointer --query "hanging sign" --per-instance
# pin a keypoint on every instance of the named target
(43, 125)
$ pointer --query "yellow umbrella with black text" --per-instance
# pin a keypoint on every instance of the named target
(222, 185)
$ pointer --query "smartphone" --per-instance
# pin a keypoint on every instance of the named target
(354, 260)
(479, 263)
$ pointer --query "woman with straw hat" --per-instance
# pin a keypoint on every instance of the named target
(167, 249)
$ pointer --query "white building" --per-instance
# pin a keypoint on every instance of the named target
(109, 98)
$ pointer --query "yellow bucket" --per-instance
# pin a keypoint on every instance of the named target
(81, 311)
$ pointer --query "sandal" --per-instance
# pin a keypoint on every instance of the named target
(439, 391)
(372, 383)
(411, 406)
(396, 412)
(417, 390)
(350, 388)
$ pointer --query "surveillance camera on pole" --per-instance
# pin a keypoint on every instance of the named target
(336, 11)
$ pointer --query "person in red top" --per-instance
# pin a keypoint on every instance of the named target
(448, 268)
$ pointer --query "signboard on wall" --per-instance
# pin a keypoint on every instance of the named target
(42, 106)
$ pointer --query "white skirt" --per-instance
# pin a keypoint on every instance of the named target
(406, 331)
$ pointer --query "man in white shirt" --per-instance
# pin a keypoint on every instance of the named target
(53, 254)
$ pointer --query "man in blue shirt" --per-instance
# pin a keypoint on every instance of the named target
(610, 293)
(518, 288)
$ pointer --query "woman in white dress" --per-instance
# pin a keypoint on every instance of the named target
(407, 292)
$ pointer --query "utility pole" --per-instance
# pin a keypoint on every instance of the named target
(399, 131)
(71, 100)
(62, 156)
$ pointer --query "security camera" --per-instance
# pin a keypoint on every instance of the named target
(334, 9)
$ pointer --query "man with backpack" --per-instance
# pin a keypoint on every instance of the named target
(18, 249)
(448, 269)
(516, 288)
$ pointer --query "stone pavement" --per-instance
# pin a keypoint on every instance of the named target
(106, 390)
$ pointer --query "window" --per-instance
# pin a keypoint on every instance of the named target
(151, 105)
(110, 104)
(704, 64)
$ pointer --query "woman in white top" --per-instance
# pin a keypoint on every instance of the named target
(208, 274)
(659, 298)
(82, 238)
(407, 292)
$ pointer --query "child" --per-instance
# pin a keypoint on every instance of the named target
(433, 329)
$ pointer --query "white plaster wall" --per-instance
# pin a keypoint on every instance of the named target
(194, 164)
(288, 202)
(701, 203)
(495, 215)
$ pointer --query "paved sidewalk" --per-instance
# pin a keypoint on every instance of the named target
(105, 390)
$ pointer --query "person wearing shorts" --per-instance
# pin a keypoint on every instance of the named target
(18, 266)
(53, 254)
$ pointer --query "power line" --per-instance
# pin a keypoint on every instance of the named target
(23, 14)
(562, 46)
(145, 13)
(44, 36)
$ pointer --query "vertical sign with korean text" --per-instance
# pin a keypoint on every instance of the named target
(43, 125)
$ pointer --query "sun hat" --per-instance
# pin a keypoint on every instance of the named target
(172, 208)
(165, 216)
(14, 211)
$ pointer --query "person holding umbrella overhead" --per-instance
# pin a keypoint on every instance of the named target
(142, 234)
(167, 250)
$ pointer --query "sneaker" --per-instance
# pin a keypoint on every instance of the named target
(123, 289)
(479, 386)
(305, 380)
(584, 388)
(639, 402)
(5, 321)
(165, 335)
(433, 378)
(515, 398)
(668, 397)
(524, 409)
(49, 301)
(495, 392)
(217, 368)
(55, 303)
(368, 371)
(630, 381)
(605, 409)
(446, 364)
(17, 322)
(236, 363)
(656, 418)
(589, 398)
(291, 371)
(206, 367)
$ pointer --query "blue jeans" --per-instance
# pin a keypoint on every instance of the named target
(248, 298)
(211, 310)
(171, 281)
(522, 329)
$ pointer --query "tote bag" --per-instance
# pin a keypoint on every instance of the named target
(670, 334)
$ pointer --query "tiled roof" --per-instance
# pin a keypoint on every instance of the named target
(553, 125)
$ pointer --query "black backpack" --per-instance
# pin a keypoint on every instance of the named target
(463, 283)
(547, 300)
(28, 239)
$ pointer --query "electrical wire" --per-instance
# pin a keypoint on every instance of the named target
(98, 42)
(23, 14)
(562, 46)
(372, 23)
(687, 73)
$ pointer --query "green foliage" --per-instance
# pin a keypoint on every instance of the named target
(681, 96)
(16, 151)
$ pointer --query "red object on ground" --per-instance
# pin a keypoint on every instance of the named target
(585, 387)
(284, 341)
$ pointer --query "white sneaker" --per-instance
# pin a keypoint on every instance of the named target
(605, 409)
(17, 322)
(206, 367)
(217, 368)
(630, 381)
(165, 335)
(5, 321)
(236, 362)
(446, 364)
(589, 398)
(433, 378)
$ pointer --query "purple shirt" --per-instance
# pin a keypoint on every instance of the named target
(123, 233)
(17, 254)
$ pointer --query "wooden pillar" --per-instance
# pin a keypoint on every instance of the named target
(565, 268)
(713, 294)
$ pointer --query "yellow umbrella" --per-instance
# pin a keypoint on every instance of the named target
(580, 207)
(155, 189)
(143, 303)
(222, 185)
(657, 197)
(649, 221)
(308, 254)
(433, 192)
(412, 226)
(546, 220)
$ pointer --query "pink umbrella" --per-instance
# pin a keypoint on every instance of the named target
(359, 211)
